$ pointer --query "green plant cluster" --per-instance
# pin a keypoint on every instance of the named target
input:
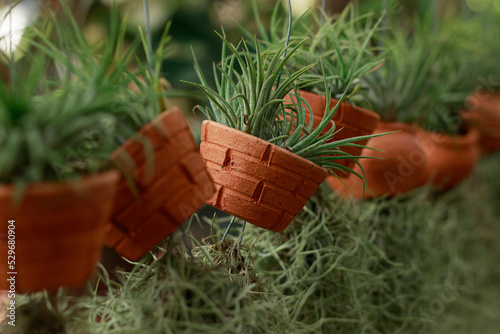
(69, 103)
(452, 79)
(484, 49)
(54, 125)
(340, 47)
(396, 89)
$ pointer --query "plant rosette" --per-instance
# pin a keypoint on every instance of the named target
(400, 169)
(164, 182)
(257, 181)
(484, 115)
(353, 122)
(450, 159)
(58, 232)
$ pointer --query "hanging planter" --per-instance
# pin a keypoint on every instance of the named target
(257, 181)
(485, 117)
(400, 169)
(56, 136)
(450, 159)
(169, 180)
(265, 160)
(354, 122)
(59, 231)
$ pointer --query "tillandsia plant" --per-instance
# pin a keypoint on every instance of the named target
(449, 83)
(53, 126)
(481, 32)
(140, 88)
(396, 90)
(344, 44)
(248, 98)
(149, 91)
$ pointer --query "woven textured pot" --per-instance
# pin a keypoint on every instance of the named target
(449, 159)
(59, 230)
(170, 183)
(401, 169)
(485, 117)
(354, 122)
(256, 181)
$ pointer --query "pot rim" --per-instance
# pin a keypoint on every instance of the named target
(250, 137)
(362, 112)
(470, 138)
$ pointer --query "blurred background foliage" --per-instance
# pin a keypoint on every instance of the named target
(194, 22)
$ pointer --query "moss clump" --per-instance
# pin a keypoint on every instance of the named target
(177, 294)
(44, 313)
(418, 263)
(235, 259)
(476, 254)
(385, 266)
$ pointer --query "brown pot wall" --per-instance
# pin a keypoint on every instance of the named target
(59, 229)
(400, 169)
(172, 183)
(449, 159)
(256, 181)
(354, 122)
(485, 117)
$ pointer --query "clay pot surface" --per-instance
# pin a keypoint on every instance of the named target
(59, 231)
(170, 183)
(354, 122)
(485, 117)
(257, 181)
(450, 159)
(401, 168)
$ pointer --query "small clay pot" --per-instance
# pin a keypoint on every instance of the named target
(169, 184)
(484, 115)
(354, 122)
(257, 181)
(450, 159)
(401, 168)
(59, 231)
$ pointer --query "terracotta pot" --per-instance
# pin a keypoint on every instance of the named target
(449, 159)
(257, 181)
(170, 183)
(354, 121)
(59, 231)
(485, 117)
(401, 169)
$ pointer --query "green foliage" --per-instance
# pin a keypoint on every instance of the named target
(70, 104)
(44, 313)
(396, 91)
(451, 81)
(343, 44)
(485, 49)
(176, 294)
(53, 125)
(139, 92)
(247, 101)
